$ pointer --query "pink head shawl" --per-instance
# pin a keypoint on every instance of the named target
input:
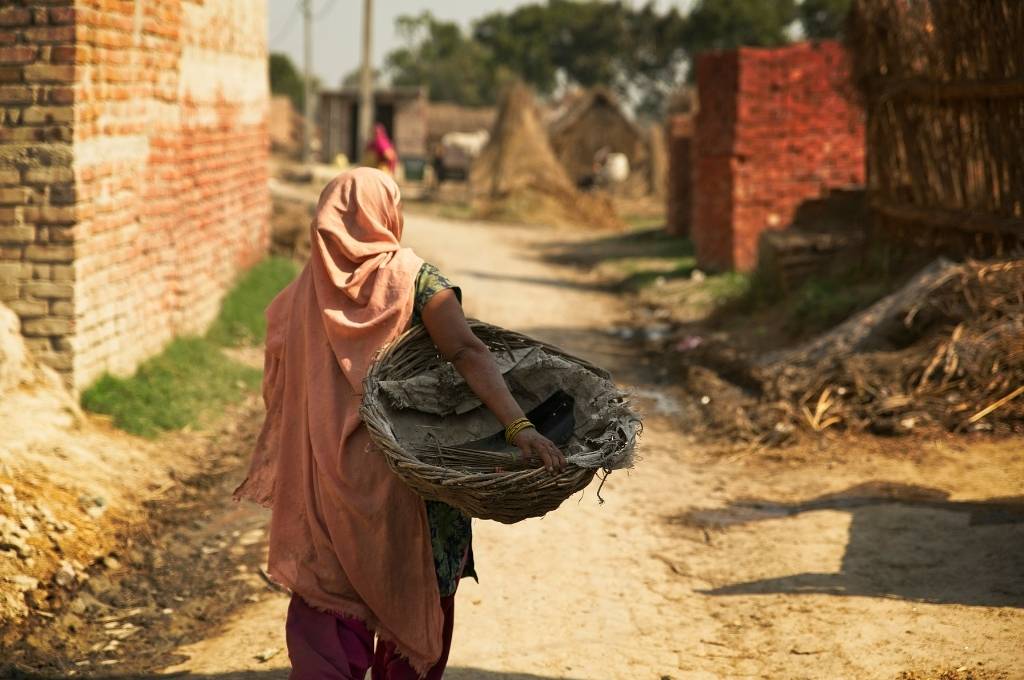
(345, 533)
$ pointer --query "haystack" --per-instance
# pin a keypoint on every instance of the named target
(517, 176)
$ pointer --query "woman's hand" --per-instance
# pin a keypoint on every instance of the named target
(536, 446)
(447, 326)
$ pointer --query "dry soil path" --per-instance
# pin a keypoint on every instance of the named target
(673, 577)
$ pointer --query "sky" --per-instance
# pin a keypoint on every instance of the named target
(337, 27)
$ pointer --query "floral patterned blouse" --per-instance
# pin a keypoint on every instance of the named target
(451, 534)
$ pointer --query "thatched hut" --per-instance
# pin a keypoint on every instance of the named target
(594, 121)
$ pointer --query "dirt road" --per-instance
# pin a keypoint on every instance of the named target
(851, 560)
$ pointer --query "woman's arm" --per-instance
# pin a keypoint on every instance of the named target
(446, 324)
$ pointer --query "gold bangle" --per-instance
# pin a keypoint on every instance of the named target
(517, 431)
(515, 427)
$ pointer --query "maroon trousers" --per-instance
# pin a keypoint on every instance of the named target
(326, 646)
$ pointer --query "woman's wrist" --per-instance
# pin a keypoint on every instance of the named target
(516, 427)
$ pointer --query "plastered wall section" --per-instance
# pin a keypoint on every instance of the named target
(167, 175)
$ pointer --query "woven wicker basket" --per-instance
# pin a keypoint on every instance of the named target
(444, 444)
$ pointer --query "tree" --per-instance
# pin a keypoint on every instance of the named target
(638, 52)
(641, 52)
(285, 79)
(438, 54)
(725, 24)
(581, 42)
(354, 77)
(824, 18)
(657, 57)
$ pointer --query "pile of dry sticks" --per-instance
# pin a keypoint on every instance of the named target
(946, 350)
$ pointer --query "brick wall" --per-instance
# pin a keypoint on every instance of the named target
(775, 128)
(140, 154)
(37, 193)
(679, 132)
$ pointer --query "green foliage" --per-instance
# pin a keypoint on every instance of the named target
(177, 388)
(241, 320)
(639, 51)
(193, 378)
(821, 303)
(728, 287)
(285, 79)
(439, 55)
(644, 275)
(724, 24)
(824, 18)
(588, 43)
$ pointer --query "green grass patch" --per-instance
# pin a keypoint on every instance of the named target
(822, 303)
(193, 379)
(644, 274)
(180, 387)
(644, 221)
(814, 305)
(241, 320)
(728, 287)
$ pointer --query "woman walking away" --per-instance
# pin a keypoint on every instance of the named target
(381, 152)
(363, 555)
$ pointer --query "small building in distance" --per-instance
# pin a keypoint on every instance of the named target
(595, 121)
(402, 111)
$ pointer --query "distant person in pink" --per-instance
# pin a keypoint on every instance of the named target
(381, 152)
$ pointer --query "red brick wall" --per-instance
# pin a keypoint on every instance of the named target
(166, 175)
(775, 127)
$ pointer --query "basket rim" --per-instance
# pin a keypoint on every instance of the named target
(398, 454)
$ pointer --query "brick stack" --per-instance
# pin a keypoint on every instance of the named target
(775, 128)
(680, 176)
(133, 163)
(37, 195)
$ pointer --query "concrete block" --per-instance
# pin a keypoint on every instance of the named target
(47, 326)
(50, 253)
(49, 290)
(28, 309)
(17, 234)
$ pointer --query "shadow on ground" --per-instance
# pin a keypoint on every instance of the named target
(905, 542)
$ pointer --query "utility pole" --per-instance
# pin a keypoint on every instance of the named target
(366, 81)
(307, 65)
